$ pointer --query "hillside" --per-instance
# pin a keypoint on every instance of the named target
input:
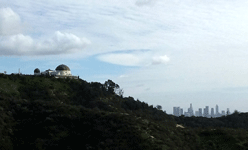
(46, 113)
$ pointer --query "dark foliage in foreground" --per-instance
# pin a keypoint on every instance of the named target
(45, 113)
(235, 120)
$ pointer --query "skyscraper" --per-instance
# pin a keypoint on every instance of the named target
(207, 111)
(176, 111)
(227, 111)
(212, 112)
(217, 109)
(190, 110)
(196, 113)
(223, 113)
(181, 111)
(200, 112)
(186, 114)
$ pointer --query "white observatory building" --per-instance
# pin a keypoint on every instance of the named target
(62, 71)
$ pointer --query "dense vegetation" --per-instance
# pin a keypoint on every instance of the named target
(235, 120)
(45, 113)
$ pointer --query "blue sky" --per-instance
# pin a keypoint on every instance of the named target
(165, 52)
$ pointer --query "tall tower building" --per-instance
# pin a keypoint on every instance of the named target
(181, 111)
(200, 112)
(186, 114)
(189, 112)
(204, 112)
(191, 109)
(196, 113)
(207, 111)
(223, 113)
(176, 111)
(227, 111)
(217, 109)
(212, 112)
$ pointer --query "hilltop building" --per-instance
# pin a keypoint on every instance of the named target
(62, 71)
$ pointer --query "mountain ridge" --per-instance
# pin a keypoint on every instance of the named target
(46, 113)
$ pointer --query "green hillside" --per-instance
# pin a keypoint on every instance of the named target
(45, 113)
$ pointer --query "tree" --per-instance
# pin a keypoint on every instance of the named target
(159, 107)
(119, 92)
(112, 88)
(236, 112)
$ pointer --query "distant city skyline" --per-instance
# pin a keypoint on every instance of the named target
(177, 111)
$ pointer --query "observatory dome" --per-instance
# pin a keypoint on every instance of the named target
(62, 67)
(36, 70)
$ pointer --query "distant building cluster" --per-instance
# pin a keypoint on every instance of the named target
(177, 111)
(62, 71)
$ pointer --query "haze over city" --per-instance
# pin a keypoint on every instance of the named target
(168, 53)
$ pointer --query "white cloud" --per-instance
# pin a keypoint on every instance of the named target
(16, 45)
(145, 2)
(121, 59)
(60, 43)
(10, 22)
(136, 58)
(123, 76)
(160, 59)
(13, 42)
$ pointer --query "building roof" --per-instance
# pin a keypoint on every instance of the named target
(62, 67)
(36, 70)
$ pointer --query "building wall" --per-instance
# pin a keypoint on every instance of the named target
(58, 74)
(71, 77)
(63, 73)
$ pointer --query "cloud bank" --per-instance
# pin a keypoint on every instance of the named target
(10, 22)
(145, 2)
(136, 58)
(13, 42)
(60, 43)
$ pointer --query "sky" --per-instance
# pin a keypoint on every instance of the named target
(163, 52)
